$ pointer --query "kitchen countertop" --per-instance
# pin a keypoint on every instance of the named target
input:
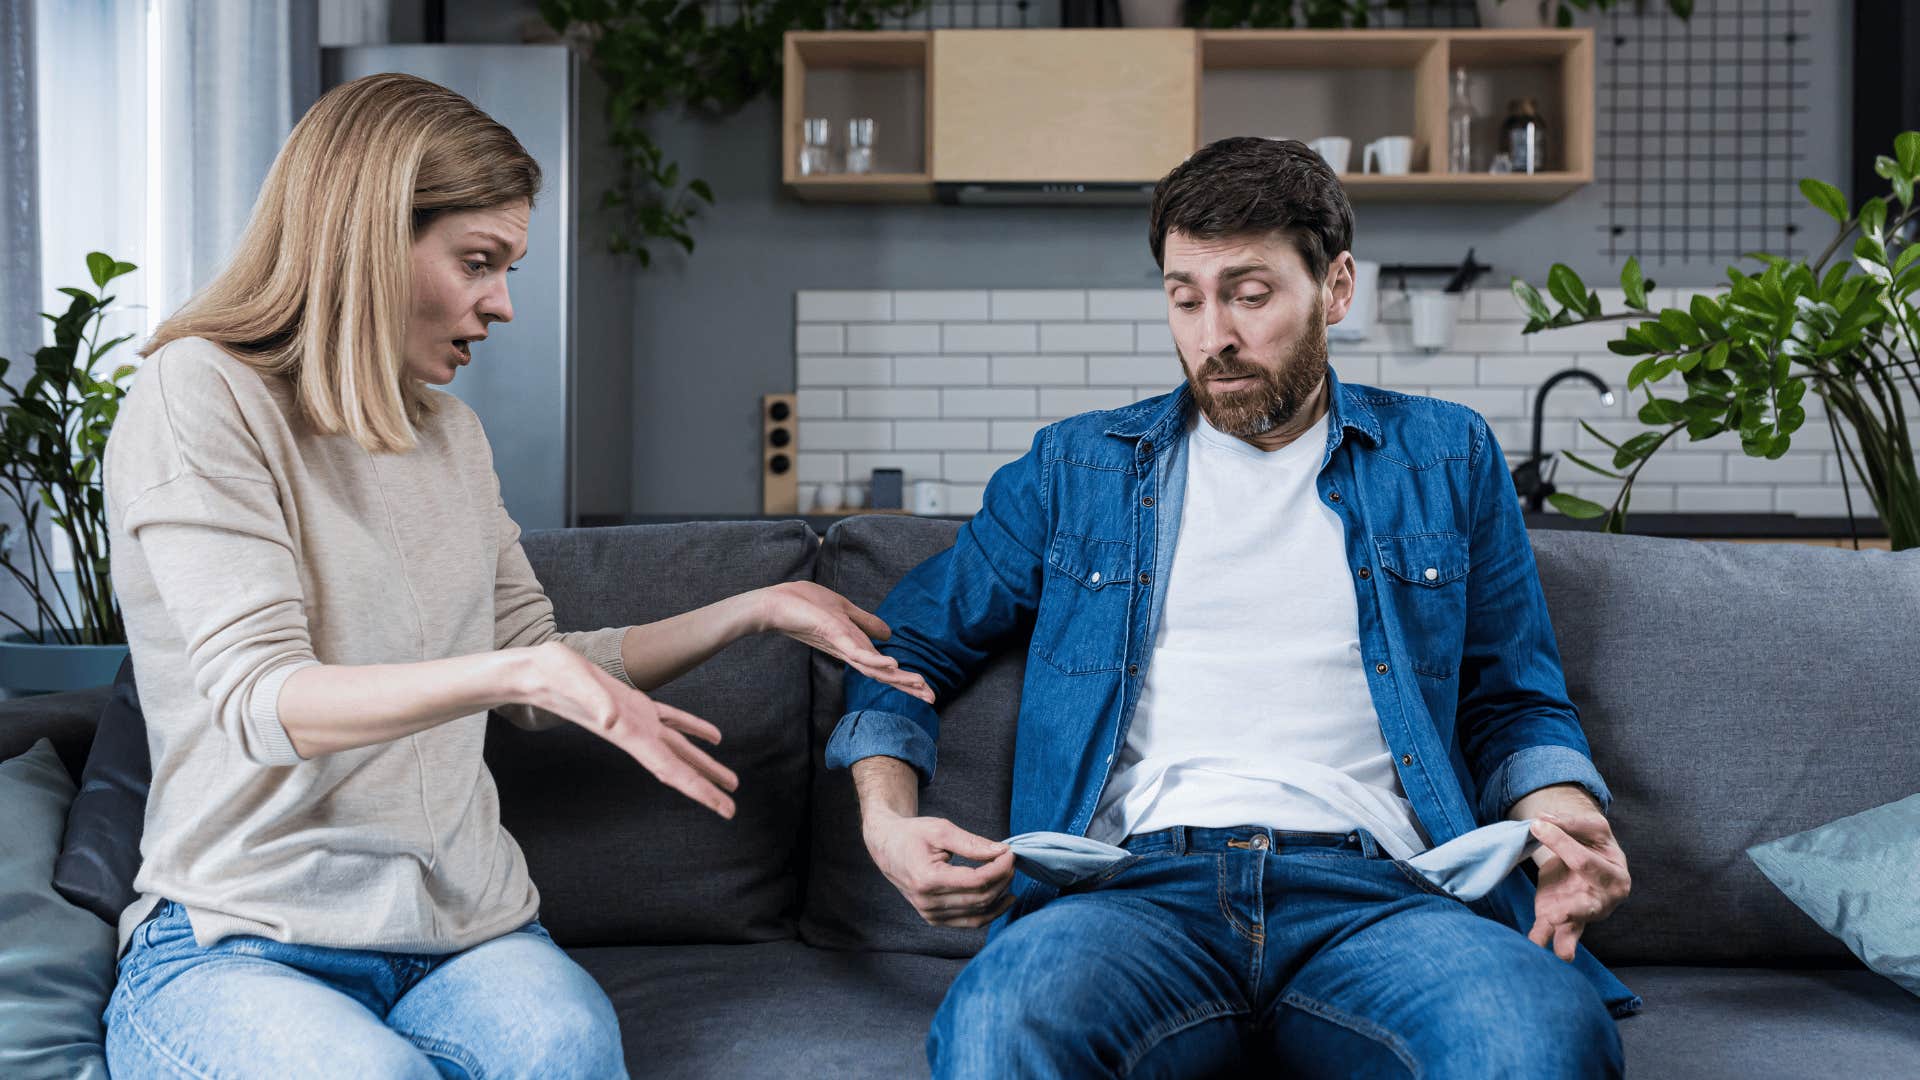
(1699, 526)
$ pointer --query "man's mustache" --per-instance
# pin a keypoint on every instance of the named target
(1214, 369)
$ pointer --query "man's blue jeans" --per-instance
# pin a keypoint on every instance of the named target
(248, 1006)
(1315, 953)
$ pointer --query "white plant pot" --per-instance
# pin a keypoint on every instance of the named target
(1515, 14)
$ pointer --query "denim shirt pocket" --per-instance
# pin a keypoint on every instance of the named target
(1427, 575)
(1082, 623)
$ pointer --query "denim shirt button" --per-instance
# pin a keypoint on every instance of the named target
(1406, 759)
(1148, 501)
(1133, 669)
(1365, 573)
(1146, 578)
(1381, 668)
(1334, 495)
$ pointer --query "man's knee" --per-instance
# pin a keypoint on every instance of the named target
(1547, 1022)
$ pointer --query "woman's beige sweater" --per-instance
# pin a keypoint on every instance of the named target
(245, 547)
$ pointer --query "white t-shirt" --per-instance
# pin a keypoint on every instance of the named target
(1255, 708)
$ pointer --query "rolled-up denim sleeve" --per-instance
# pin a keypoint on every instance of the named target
(950, 615)
(1529, 770)
(1517, 728)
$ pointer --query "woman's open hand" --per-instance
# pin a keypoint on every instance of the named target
(816, 616)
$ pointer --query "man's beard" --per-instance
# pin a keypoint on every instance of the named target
(1276, 397)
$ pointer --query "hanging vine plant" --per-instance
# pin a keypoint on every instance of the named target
(705, 56)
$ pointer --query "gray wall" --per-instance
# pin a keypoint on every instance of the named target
(712, 332)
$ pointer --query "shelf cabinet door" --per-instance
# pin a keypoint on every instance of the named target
(1066, 105)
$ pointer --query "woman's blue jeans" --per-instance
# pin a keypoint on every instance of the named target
(248, 1006)
(1316, 955)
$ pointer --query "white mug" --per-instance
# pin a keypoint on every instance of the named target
(1433, 314)
(929, 497)
(1335, 150)
(1395, 154)
(831, 496)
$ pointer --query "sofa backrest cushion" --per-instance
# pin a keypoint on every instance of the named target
(619, 857)
(849, 904)
(1732, 694)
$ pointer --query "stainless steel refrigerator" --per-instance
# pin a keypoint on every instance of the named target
(521, 381)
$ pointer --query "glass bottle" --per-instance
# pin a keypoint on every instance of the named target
(1524, 136)
(1460, 126)
(860, 144)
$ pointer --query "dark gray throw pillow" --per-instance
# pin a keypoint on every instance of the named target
(101, 853)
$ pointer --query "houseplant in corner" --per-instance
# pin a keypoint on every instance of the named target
(1845, 328)
(53, 435)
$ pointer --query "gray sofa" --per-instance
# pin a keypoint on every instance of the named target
(1732, 694)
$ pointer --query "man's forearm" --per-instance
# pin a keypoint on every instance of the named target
(888, 788)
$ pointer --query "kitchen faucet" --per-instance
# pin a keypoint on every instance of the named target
(1527, 477)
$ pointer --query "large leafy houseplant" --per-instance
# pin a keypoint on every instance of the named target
(655, 54)
(53, 435)
(1846, 329)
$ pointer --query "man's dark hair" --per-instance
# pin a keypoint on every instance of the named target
(1248, 186)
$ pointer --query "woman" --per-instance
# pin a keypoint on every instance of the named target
(324, 596)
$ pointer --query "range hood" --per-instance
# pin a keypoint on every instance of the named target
(1043, 193)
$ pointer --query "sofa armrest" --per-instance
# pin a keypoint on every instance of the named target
(68, 719)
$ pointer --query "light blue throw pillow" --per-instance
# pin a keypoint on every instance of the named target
(1859, 878)
(57, 961)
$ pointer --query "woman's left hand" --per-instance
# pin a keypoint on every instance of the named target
(823, 619)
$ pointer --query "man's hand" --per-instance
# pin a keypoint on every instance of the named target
(913, 853)
(1583, 877)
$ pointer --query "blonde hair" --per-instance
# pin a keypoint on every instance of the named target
(321, 284)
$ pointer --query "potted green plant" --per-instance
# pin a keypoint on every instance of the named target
(1530, 14)
(53, 435)
(1846, 329)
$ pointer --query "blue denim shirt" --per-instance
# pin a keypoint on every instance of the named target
(1073, 540)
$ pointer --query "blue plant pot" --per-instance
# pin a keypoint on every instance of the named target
(28, 668)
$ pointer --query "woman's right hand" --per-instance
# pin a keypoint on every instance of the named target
(653, 733)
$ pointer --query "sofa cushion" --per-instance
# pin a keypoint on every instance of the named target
(56, 969)
(68, 719)
(780, 1009)
(101, 852)
(1737, 1023)
(620, 858)
(1732, 694)
(849, 904)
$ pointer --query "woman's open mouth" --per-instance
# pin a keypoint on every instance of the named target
(464, 349)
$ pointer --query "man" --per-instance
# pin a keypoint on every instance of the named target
(1286, 633)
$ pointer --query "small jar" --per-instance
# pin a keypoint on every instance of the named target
(860, 144)
(816, 146)
(1523, 138)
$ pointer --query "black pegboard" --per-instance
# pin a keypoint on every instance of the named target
(1699, 128)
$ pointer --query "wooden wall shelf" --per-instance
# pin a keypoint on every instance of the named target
(1037, 106)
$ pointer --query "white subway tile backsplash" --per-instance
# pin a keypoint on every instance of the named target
(1128, 369)
(819, 339)
(974, 468)
(1039, 371)
(1056, 337)
(843, 371)
(845, 305)
(939, 370)
(1016, 434)
(942, 435)
(893, 338)
(1127, 304)
(1063, 403)
(942, 305)
(965, 498)
(820, 404)
(888, 404)
(990, 337)
(1435, 369)
(988, 404)
(1152, 337)
(845, 434)
(914, 466)
(950, 384)
(1033, 305)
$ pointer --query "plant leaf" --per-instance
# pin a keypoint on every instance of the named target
(1566, 287)
(1826, 197)
(1585, 464)
(1575, 507)
(1634, 284)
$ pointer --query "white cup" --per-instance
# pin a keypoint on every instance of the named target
(1394, 153)
(929, 497)
(807, 497)
(830, 497)
(1335, 150)
(1433, 314)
